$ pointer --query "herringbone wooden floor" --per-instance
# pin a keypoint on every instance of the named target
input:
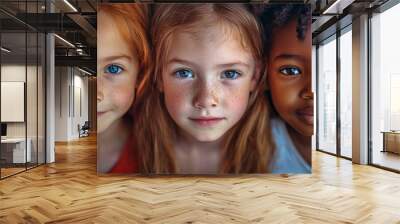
(69, 191)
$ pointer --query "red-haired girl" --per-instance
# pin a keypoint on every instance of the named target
(123, 61)
(204, 111)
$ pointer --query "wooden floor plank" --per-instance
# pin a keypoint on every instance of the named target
(70, 191)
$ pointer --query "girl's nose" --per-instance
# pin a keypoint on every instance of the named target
(100, 95)
(307, 93)
(206, 97)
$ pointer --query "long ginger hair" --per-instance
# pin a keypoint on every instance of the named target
(246, 146)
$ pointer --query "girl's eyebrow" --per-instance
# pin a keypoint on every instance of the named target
(193, 64)
(113, 58)
(181, 61)
(288, 57)
(238, 63)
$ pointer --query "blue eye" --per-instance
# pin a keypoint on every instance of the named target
(184, 74)
(290, 71)
(113, 69)
(230, 74)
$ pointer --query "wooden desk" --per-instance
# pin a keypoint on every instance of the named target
(391, 141)
(16, 147)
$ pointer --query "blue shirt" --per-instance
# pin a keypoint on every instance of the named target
(286, 158)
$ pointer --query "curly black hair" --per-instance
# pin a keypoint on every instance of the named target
(275, 15)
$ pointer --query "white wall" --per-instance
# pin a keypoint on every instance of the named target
(33, 126)
(12, 73)
(71, 94)
(16, 73)
(61, 103)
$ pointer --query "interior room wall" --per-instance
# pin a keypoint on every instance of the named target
(80, 109)
(31, 127)
(71, 102)
(61, 103)
(16, 72)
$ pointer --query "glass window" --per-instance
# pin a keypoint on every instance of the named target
(14, 153)
(346, 93)
(22, 91)
(385, 88)
(327, 96)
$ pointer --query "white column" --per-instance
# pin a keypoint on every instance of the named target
(50, 100)
(50, 93)
(360, 90)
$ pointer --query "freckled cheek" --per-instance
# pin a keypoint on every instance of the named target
(236, 101)
(176, 99)
(123, 97)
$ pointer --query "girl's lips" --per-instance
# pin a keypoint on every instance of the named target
(306, 115)
(101, 113)
(206, 121)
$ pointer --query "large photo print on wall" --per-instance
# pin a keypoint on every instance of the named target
(204, 88)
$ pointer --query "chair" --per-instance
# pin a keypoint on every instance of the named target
(84, 130)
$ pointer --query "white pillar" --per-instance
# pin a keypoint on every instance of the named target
(50, 92)
(50, 99)
(360, 90)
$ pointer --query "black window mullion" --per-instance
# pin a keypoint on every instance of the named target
(369, 96)
(0, 97)
(317, 95)
(37, 90)
(26, 86)
(338, 94)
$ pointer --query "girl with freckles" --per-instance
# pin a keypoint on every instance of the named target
(203, 111)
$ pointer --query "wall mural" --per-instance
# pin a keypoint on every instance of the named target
(204, 88)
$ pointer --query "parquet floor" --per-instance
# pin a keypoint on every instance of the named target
(387, 159)
(9, 171)
(70, 191)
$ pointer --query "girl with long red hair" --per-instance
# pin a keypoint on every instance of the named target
(204, 111)
(123, 62)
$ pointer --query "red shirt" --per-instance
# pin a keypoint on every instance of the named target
(128, 160)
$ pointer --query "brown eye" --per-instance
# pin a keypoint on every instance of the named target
(290, 71)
